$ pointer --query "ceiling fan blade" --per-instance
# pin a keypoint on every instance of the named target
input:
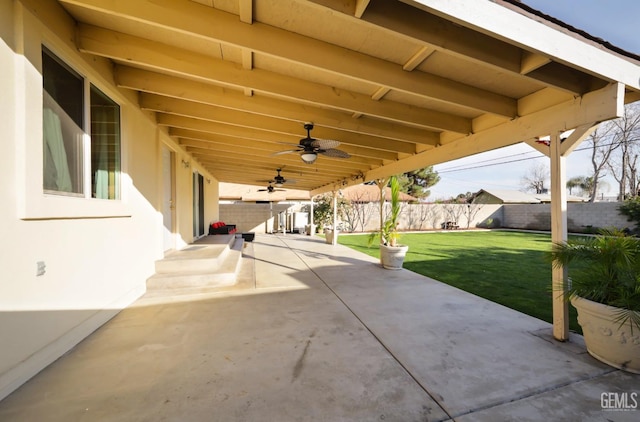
(324, 143)
(285, 152)
(335, 153)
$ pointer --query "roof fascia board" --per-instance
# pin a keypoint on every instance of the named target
(496, 20)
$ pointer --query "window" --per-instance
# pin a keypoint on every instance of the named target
(105, 146)
(62, 123)
(64, 168)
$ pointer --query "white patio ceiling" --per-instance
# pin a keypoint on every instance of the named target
(401, 84)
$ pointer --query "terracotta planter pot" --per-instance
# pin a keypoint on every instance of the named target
(392, 257)
(329, 235)
(605, 339)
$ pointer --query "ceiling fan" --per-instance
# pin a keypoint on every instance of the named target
(310, 147)
(271, 189)
(279, 180)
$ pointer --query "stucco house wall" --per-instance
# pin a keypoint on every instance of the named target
(95, 255)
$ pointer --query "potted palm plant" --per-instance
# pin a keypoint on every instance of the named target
(605, 289)
(391, 253)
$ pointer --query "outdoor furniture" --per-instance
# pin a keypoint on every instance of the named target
(220, 227)
(450, 225)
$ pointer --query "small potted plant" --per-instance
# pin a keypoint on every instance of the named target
(605, 289)
(391, 253)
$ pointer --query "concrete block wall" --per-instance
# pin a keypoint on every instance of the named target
(252, 217)
(431, 216)
(580, 216)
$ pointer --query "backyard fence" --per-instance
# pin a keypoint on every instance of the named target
(364, 217)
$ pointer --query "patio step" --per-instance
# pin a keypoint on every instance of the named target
(204, 255)
(203, 264)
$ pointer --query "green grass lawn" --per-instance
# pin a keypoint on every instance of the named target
(505, 267)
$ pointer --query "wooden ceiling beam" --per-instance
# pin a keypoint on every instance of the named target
(281, 141)
(257, 177)
(211, 113)
(208, 23)
(604, 104)
(327, 169)
(271, 148)
(465, 43)
(175, 61)
(171, 86)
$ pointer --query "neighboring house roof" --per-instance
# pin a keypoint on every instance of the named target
(545, 197)
(371, 193)
(251, 193)
(506, 196)
(510, 196)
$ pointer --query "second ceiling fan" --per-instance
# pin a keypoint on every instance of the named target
(309, 147)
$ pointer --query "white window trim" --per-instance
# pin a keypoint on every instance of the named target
(33, 202)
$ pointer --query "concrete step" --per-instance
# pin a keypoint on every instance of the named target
(224, 274)
(204, 255)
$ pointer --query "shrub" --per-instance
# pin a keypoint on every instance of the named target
(631, 209)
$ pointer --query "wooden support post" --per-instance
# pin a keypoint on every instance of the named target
(382, 184)
(559, 234)
(334, 241)
(312, 230)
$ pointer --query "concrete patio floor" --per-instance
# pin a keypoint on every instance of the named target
(315, 332)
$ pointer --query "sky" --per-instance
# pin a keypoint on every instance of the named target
(614, 21)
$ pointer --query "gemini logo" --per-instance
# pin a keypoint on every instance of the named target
(620, 402)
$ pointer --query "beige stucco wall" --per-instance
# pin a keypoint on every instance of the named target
(98, 254)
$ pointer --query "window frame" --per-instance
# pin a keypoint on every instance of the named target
(34, 202)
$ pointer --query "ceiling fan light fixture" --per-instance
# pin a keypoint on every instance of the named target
(278, 184)
(309, 157)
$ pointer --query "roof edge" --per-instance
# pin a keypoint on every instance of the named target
(518, 6)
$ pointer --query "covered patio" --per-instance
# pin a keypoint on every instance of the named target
(209, 91)
(387, 86)
(318, 332)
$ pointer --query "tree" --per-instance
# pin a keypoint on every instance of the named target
(602, 146)
(467, 198)
(584, 183)
(623, 167)
(358, 212)
(573, 183)
(535, 178)
(472, 209)
(323, 209)
(417, 182)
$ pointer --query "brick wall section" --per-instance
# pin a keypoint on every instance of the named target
(579, 216)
